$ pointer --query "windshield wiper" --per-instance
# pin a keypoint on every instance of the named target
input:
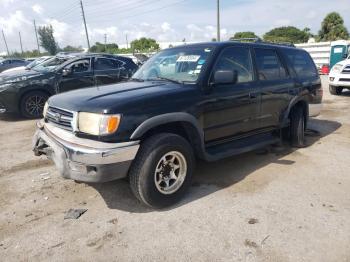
(166, 79)
(136, 80)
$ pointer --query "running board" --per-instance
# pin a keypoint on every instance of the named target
(240, 146)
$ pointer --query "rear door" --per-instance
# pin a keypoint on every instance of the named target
(232, 109)
(107, 70)
(275, 83)
(80, 75)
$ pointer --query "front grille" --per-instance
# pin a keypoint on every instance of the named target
(346, 70)
(60, 118)
(344, 79)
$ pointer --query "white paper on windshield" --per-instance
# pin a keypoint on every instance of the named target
(188, 58)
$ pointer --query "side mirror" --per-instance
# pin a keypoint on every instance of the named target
(345, 56)
(66, 71)
(225, 77)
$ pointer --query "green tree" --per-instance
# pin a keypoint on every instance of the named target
(104, 48)
(332, 28)
(144, 44)
(47, 40)
(246, 34)
(286, 34)
(70, 48)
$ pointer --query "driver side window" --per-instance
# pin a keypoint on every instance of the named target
(236, 59)
(80, 66)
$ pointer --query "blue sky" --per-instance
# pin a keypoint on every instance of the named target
(164, 20)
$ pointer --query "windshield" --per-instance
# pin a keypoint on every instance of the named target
(36, 62)
(182, 64)
(50, 64)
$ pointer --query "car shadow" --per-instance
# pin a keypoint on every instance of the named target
(212, 177)
(13, 117)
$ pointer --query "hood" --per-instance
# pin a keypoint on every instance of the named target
(111, 98)
(344, 62)
(18, 75)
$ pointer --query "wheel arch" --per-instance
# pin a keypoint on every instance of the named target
(297, 101)
(180, 123)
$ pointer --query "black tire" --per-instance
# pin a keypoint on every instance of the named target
(143, 175)
(335, 90)
(297, 127)
(32, 104)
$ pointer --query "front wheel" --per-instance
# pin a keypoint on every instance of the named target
(162, 170)
(335, 90)
(32, 104)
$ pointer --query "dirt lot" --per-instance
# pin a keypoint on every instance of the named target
(280, 204)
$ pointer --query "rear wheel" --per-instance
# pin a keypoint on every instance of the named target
(335, 90)
(297, 127)
(32, 104)
(162, 170)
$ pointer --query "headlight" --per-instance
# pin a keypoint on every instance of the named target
(46, 106)
(98, 124)
(336, 69)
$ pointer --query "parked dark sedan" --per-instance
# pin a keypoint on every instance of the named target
(11, 63)
(26, 93)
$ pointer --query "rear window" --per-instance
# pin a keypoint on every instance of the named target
(301, 62)
(269, 65)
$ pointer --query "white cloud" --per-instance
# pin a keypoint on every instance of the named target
(6, 2)
(61, 29)
(15, 21)
(37, 9)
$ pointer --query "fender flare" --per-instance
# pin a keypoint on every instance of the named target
(292, 103)
(166, 119)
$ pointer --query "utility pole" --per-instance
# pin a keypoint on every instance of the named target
(127, 42)
(20, 41)
(7, 49)
(84, 20)
(36, 35)
(105, 42)
(218, 21)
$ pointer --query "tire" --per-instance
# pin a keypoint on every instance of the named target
(32, 104)
(297, 127)
(152, 161)
(335, 90)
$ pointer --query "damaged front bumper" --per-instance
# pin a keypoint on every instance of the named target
(83, 159)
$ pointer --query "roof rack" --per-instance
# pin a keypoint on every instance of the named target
(259, 40)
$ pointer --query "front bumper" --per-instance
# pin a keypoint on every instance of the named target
(82, 159)
(342, 80)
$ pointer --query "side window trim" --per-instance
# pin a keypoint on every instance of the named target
(219, 57)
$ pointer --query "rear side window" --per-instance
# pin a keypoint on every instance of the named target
(301, 62)
(269, 65)
(107, 64)
(236, 59)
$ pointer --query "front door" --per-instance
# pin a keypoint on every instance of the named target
(75, 75)
(232, 109)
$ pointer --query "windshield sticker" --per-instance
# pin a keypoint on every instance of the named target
(207, 50)
(201, 62)
(199, 67)
(188, 58)
(197, 71)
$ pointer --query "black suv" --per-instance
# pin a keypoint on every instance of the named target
(206, 101)
(27, 92)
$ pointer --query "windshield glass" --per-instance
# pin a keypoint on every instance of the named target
(50, 64)
(183, 64)
(36, 62)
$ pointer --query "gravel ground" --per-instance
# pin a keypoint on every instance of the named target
(278, 204)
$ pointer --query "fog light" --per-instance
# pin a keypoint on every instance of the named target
(331, 79)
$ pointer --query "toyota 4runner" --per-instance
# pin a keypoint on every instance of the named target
(202, 101)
